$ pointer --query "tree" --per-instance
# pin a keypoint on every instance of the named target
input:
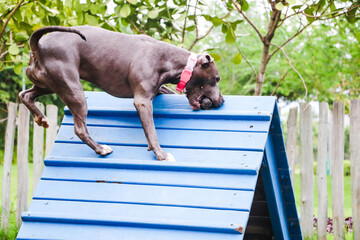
(283, 11)
(181, 22)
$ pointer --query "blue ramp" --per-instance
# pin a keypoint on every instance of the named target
(230, 180)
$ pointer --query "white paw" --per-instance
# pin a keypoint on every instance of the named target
(105, 150)
(170, 157)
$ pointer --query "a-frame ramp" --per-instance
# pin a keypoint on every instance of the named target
(222, 156)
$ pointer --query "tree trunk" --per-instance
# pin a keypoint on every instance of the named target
(273, 24)
(261, 75)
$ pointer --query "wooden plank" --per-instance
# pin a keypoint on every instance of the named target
(338, 170)
(95, 232)
(174, 123)
(321, 169)
(170, 138)
(306, 170)
(22, 162)
(38, 149)
(8, 158)
(291, 141)
(180, 218)
(237, 107)
(330, 142)
(152, 177)
(82, 152)
(355, 164)
(51, 113)
(145, 195)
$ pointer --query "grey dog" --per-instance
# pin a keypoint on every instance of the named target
(128, 66)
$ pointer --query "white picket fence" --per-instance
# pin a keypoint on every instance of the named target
(19, 117)
(331, 133)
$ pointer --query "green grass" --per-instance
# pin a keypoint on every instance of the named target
(347, 195)
(13, 195)
(13, 230)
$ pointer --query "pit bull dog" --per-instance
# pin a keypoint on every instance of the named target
(127, 66)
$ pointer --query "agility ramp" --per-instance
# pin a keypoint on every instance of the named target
(230, 180)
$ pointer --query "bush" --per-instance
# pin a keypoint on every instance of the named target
(347, 168)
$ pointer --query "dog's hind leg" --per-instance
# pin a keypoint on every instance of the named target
(28, 98)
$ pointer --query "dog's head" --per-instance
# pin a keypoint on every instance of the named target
(204, 83)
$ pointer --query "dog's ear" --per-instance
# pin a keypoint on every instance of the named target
(205, 60)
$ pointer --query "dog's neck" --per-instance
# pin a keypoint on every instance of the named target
(177, 60)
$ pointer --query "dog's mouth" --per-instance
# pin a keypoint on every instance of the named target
(201, 102)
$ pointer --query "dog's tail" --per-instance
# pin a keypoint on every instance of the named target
(35, 37)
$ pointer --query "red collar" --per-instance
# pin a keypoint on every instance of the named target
(187, 72)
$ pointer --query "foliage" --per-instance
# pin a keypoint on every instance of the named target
(280, 14)
(185, 23)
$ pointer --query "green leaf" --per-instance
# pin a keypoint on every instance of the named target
(21, 36)
(167, 40)
(91, 20)
(237, 59)
(207, 17)
(125, 11)
(291, 1)
(244, 5)
(80, 18)
(309, 11)
(133, 2)
(296, 6)
(124, 22)
(350, 16)
(357, 36)
(18, 69)
(190, 28)
(216, 57)
(13, 49)
(182, 17)
(279, 6)
(230, 36)
(153, 13)
(224, 28)
(93, 9)
(234, 24)
(73, 22)
(217, 21)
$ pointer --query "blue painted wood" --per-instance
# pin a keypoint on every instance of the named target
(285, 195)
(173, 123)
(206, 194)
(145, 194)
(241, 108)
(170, 138)
(40, 230)
(204, 156)
(136, 216)
(152, 177)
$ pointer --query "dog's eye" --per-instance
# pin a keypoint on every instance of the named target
(217, 79)
(202, 87)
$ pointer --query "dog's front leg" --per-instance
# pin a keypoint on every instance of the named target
(145, 110)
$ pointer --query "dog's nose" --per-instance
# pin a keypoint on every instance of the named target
(219, 101)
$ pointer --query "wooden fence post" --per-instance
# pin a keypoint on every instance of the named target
(8, 157)
(338, 170)
(330, 162)
(306, 170)
(291, 141)
(22, 162)
(321, 169)
(51, 113)
(355, 164)
(38, 149)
